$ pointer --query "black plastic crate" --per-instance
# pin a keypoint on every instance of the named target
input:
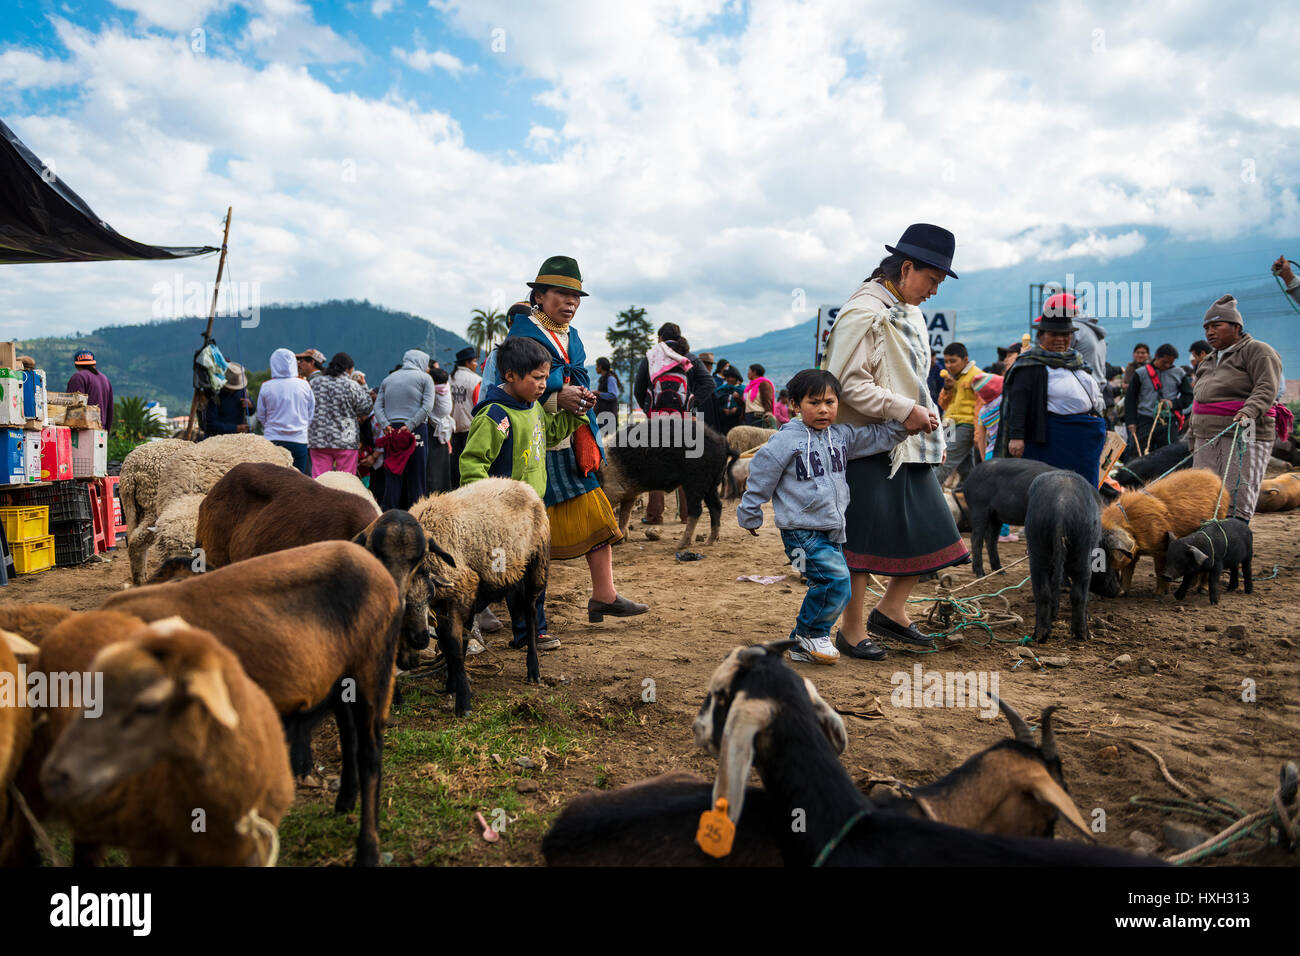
(68, 501)
(74, 543)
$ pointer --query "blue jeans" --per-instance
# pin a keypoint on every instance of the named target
(519, 617)
(301, 457)
(822, 562)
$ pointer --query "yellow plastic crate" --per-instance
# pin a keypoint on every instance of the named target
(33, 556)
(25, 523)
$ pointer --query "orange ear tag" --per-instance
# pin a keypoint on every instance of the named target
(716, 830)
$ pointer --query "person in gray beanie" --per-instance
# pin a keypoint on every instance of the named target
(1236, 384)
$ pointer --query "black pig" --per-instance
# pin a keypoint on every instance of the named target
(1214, 546)
(1144, 470)
(996, 492)
(1063, 534)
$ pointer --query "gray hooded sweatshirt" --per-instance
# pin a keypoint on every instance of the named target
(802, 471)
(406, 395)
(1090, 342)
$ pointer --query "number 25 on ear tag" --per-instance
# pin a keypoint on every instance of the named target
(716, 830)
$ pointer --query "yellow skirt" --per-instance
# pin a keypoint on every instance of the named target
(581, 525)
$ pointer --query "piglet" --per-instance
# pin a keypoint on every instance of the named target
(1212, 547)
(994, 494)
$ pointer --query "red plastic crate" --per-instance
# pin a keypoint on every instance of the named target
(56, 453)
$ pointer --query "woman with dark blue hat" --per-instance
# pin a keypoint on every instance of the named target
(897, 523)
(465, 383)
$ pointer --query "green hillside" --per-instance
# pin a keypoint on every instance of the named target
(154, 360)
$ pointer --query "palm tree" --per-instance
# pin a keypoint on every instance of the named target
(133, 425)
(485, 327)
(476, 332)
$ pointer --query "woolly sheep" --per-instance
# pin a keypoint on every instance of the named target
(174, 529)
(345, 481)
(498, 533)
(744, 437)
(159, 472)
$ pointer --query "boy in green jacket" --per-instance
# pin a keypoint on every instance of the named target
(510, 432)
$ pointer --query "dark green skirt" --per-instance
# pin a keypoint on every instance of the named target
(898, 526)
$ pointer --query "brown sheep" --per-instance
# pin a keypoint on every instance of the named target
(1280, 494)
(1139, 522)
(317, 628)
(183, 730)
(257, 508)
(32, 621)
(499, 536)
(15, 732)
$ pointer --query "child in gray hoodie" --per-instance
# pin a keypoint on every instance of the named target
(802, 470)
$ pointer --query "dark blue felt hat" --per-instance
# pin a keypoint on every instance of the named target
(927, 244)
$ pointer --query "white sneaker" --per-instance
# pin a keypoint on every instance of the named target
(814, 650)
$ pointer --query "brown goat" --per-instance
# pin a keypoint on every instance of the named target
(1015, 787)
(32, 621)
(257, 508)
(317, 628)
(1139, 522)
(1280, 494)
(15, 732)
(183, 731)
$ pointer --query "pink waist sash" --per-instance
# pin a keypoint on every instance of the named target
(1283, 418)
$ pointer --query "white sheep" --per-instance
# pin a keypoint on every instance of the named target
(175, 528)
(346, 481)
(497, 532)
(162, 471)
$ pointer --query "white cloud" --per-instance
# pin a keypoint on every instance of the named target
(379, 7)
(424, 61)
(705, 176)
(175, 15)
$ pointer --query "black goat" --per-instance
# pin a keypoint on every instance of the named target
(760, 713)
(662, 454)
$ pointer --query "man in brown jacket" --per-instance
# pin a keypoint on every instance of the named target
(1237, 382)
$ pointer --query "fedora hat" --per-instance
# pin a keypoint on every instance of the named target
(1054, 323)
(927, 244)
(561, 272)
(235, 377)
(465, 354)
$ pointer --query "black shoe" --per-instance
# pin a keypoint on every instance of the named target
(882, 626)
(866, 650)
(619, 607)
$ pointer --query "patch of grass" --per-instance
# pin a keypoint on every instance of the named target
(439, 771)
(602, 777)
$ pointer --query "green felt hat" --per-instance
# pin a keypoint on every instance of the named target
(561, 272)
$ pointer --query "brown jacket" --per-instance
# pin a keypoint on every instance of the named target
(1249, 371)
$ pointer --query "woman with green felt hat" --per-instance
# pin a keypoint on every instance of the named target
(582, 522)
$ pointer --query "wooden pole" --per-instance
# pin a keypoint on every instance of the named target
(207, 332)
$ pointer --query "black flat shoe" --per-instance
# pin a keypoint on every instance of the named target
(620, 607)
(882, 626)
(865, 651)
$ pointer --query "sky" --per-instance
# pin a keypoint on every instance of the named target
(727, 165)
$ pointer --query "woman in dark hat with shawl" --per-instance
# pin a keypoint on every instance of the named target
(1051, 407)
(582, 522)
(897, 523)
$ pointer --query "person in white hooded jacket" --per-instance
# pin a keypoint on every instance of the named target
(285, 405)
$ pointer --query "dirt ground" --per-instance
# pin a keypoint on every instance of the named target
(1190, 709)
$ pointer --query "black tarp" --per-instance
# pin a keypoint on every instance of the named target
(43, 220)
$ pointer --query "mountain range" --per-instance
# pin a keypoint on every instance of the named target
(154, 360)
(1175, 282)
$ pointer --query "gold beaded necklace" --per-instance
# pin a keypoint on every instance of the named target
(546, 322)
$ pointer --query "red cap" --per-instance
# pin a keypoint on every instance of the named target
(1060, 306)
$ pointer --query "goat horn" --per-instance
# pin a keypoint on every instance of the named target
(1049, 739)
(1018, 725)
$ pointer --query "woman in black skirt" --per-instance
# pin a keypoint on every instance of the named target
(898, 523)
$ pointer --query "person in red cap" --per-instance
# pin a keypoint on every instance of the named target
(89, 379)
(1089, 337)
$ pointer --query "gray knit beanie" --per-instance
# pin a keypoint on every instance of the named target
(1224, 310)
